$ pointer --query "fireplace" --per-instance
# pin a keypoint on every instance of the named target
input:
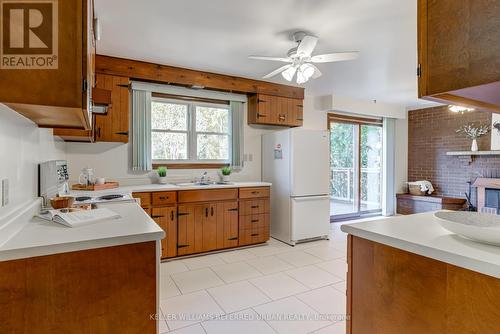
(492, 199)
(488, 195)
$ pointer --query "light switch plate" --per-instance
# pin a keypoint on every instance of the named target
(5, 192)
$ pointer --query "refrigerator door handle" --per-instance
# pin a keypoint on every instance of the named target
(310, 198)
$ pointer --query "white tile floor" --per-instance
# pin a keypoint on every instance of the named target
(274, 288)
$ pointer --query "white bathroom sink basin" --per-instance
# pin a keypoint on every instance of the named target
(479, 227)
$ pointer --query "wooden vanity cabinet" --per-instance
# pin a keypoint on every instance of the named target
(198, 221)
(274, 110)
(458, 52)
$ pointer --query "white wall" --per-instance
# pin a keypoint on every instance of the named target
(22, 146)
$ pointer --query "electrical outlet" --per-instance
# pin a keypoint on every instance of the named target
(5, 192)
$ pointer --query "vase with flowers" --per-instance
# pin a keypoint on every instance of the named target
(474, 132)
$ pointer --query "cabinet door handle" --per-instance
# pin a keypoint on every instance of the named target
(300, 119)
(182, 214)
(254, 234)
(233, 209)
(155, 216)
(163, 198)
(182, 246)
(255, 220)
(206, 212)
(255, 192)
(255, 206)
(171, 215)
(98, 132)
(234, 238)
(260, 115)
(261, 101)
(212, 211)
(123, 133)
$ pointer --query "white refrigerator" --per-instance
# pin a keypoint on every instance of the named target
(296, 162)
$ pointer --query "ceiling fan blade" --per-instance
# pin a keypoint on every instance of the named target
(277, 71)
(338, 56)
(307, 45)
(317, 72)
(270, 58)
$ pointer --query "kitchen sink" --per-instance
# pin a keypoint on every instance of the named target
(196, 184)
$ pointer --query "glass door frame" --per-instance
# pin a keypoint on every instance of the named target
(357, 121)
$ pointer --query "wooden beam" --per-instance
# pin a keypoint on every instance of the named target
(145, 71)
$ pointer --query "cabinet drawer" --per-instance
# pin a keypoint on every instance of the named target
(254, 222)
(209, 195)
(145, 199)
(257, 192)
(253, 207)
(165, 197)
(253, 236)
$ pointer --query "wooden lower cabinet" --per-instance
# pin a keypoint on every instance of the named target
(99, 291)
(185, 229)
(229, 226)
(233, 218)
(166, 218)
(392, 291)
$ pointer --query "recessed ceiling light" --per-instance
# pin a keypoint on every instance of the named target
(460, 109)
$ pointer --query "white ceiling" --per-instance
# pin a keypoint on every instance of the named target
(218, 35)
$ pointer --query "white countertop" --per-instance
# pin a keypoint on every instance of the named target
(421, 234)
(167, 187)
(38, 237)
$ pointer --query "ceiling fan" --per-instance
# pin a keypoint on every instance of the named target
(301, 59)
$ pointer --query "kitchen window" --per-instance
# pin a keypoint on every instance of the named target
(192, 132)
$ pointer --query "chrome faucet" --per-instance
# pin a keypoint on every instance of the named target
(204, 178)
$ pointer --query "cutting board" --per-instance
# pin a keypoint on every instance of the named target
(107, 185)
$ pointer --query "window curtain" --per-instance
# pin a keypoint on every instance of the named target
(237, 117)
(141, 130)
(389, 167)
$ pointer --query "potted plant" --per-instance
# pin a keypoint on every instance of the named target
(226, 171)
(473, 132)
(162, 175)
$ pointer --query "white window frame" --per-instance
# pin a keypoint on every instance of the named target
(192, 134)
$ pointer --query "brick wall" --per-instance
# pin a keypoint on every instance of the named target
(431, 133)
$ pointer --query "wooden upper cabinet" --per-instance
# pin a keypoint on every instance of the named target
(57, 96)
(274, 110)
(113, 126)
(459, 52)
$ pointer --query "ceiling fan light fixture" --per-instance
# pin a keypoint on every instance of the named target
(307, 70)
(289, 73)
(301, 78)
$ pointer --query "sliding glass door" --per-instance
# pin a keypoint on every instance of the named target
(355, 166)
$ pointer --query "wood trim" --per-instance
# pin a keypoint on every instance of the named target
(151, 72)
(446, 98)
(192, 165)
(189, 98)
(339, 118)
